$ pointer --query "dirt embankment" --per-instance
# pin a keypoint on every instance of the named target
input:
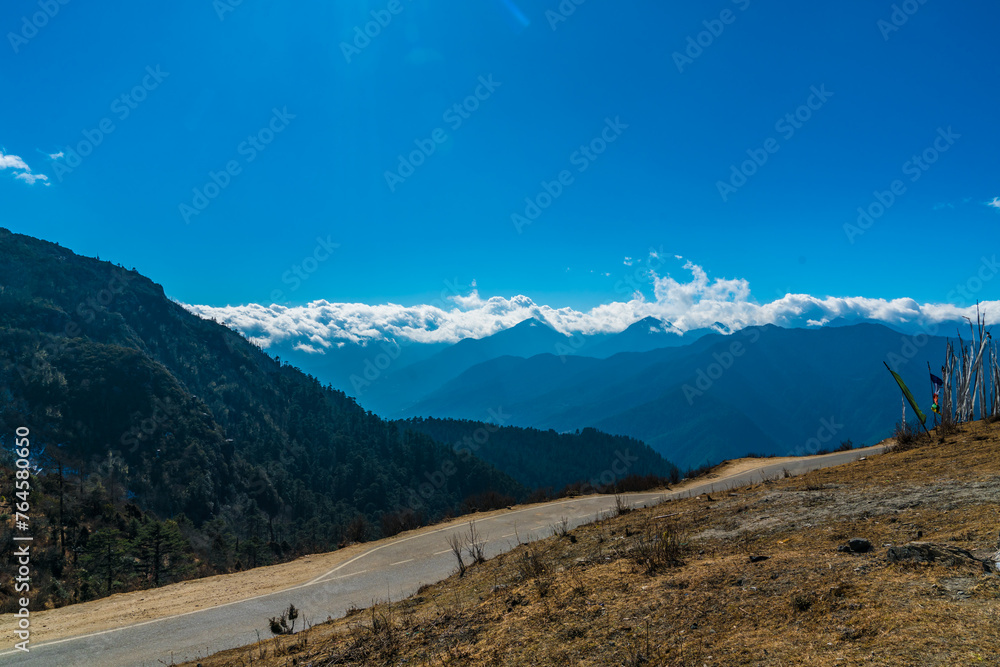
(759, 576)
(185, 597)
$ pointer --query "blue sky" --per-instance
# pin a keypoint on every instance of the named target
(337, 118)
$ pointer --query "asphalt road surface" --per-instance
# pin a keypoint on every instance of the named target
(390, 569)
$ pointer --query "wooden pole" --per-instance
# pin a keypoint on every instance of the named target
(922, 424)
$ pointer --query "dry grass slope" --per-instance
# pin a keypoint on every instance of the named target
(675, 585)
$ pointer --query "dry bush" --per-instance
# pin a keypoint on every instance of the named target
(475, 544)
(622, 505)
(457, 544)
(530, 564)
(657, 548)
(907, 437)
(947, 427)
(280, 624)
(374, 643)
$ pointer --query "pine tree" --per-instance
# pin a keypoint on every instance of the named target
(161, 549)
(105, 557)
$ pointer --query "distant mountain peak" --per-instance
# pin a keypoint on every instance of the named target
(532, 322)
(653, 325)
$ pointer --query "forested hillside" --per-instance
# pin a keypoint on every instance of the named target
(147, 408)
(546, 459)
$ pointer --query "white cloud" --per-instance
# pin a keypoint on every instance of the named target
(12, 162)
(995, 203)
(56, 156)
(22, 170)
(30, 178)
(468, 302)
(697, 303)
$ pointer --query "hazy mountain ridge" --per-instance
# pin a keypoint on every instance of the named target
(784, 383)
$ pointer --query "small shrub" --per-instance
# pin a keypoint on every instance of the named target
(475, 544)
(701, 470)
(280, 624)
(530, 564)
(622, 505)
(397, 522)
(802, 601)
(357, 529)
(457, 545)
(947, 427)
(638, 483)
(487, 501)
(543, 585)
(540, 495)
(658, 548)
(907, 437)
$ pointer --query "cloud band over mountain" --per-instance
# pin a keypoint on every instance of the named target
(699, 302)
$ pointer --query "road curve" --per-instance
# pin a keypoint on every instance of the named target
(390, 569)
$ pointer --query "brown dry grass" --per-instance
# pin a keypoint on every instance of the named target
(591, 597)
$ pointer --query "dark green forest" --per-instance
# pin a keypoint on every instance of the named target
(547, 459)
(167, 446)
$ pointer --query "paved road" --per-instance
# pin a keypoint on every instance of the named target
(391, 569)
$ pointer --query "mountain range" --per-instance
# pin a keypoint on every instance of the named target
(696, 397)
(764, 389)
